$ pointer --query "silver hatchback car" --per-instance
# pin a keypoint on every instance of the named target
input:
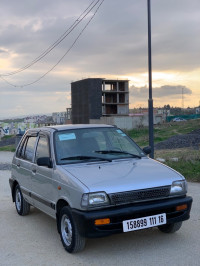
(95, 181)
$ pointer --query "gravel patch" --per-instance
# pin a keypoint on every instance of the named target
(197, 131)
(181, 141)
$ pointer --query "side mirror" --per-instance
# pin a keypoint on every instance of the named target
(44, 161)
(147, 150)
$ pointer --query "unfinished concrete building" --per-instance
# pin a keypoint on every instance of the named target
(93, 98)
(115, 95)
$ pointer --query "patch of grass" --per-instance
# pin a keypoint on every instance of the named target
(181, 153)
(188, 163)
(163, 132)
(139, 135)
(8, 148)
(189, 169)
(7, 137)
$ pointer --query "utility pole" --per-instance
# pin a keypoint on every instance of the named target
(183, 100)
(150, 101)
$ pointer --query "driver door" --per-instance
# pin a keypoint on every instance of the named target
(42, 182)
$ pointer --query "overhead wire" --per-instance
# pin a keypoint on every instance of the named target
(58, 41)
(31, 83)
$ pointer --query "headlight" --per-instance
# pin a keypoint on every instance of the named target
(94, 199)
(178, 187)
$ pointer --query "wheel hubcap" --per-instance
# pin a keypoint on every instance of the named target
(66, 230)
(18, 200)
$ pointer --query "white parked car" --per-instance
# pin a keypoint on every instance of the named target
(95, 181)
(178, 119)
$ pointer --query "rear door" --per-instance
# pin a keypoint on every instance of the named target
(24, 163)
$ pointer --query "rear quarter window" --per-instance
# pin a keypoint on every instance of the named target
(26, 148)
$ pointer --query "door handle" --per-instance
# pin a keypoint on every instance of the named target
(34, 171)
(18, 164)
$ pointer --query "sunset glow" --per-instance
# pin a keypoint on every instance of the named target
(114, 45)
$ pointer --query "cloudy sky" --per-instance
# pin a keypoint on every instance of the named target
(114, 45)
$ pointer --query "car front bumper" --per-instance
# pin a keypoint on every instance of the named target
(85, 220)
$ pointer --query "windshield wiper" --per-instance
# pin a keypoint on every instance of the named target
(86, 158)
(120, 152)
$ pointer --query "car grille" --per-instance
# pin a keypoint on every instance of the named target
(139, 195)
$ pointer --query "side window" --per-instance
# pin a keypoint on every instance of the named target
(29, 149)
(42, 148)
(21, 148)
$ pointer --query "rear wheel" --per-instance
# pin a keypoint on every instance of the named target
(22, 206)
(70, 237)
(170, 228)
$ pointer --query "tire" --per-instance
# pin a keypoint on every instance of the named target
(71, 239)
(22, 206)
(170, 228)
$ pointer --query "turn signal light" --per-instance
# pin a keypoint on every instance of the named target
(102, 221)
(181, 207)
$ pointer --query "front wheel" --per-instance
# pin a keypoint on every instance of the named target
(170, 228)
(70, 237)
(22, 206)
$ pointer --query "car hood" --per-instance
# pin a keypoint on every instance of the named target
(123, 175)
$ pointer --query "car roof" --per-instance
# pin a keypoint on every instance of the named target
(68, 127)
(77, 126)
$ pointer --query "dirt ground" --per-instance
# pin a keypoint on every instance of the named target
(33, 239)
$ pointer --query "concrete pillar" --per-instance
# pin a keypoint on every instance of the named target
(117, 92)
(103, 85)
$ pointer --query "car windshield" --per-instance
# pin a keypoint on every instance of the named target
(94, 144)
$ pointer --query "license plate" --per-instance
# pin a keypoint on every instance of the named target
(144, 222)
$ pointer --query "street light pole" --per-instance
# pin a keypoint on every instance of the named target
(150, 101)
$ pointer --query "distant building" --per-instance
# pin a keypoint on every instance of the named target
(59, 118)
(163, 111)
(95, 97)
(115, 95)
(197, 110)
(35, 119)
(69, 116)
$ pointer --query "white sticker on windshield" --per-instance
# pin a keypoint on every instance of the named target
(66, 136)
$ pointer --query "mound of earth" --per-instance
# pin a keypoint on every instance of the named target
(196, 131)
(191, 139)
